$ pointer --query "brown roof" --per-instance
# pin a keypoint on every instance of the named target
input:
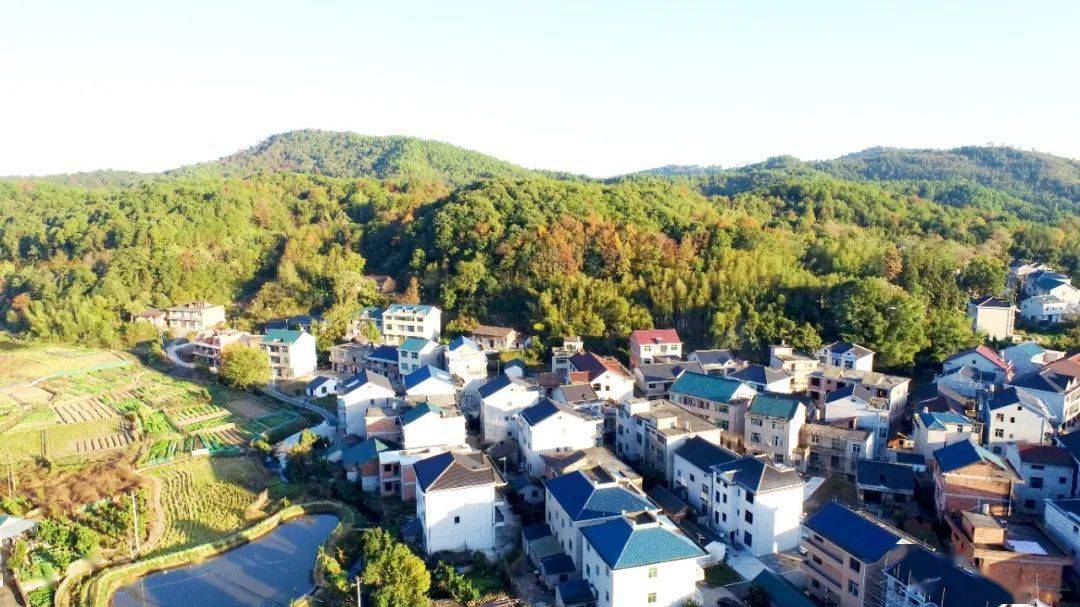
(596, 365)
(456, 470)
(490, 331)
(1045, 455)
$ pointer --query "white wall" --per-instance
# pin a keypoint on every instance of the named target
(353, 405)
(559, 432)
(614, 387)
(434, 430)
(673, 584)
(459, 519)
(498, 411)
(1064, 530)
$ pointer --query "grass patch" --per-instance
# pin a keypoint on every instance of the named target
(721, 574)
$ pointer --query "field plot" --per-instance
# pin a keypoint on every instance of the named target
(84, 411)
(194, 414)
(249, 408)
(21, 365)
(267, 423)
(207, 499)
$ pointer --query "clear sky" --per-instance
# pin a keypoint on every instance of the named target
(598, 87)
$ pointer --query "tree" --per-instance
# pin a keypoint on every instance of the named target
(455, 585)
(880, 316)
(983, 276)
(949, 332)
(397, 576)
(245, 367)
(757, 597)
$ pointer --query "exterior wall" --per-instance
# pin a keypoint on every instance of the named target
(434, 430)
(399, 324)
(847, 360)
(560, 432)
(353, 406)
(763, 523)
(612, 386)
(347, 359)
(1040, 483)
(776, 437)
(646, 353)
(693, 484)
(928, 440)
(1065, 530)
(499, 411)
(1017, 424)
(429, 355)
(1065, 406)
(975, 361)
(830, 575)
(730, 417)
(460, 519)
(433, 390)
(469, 365)
(668, 584)
(972, 487)
(566, 531)
(826, 454)
(996, 323)
(182, 319)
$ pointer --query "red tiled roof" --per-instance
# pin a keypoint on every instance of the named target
(986, 353)
(655, 336)
(1045, 455)
(596, 365)
(1067, 366)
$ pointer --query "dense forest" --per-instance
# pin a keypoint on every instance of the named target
(883, 247)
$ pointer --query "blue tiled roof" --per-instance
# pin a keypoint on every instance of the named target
(575, 592)
(911, 459)
(583, 502)
(425, 373)
(428, 470)
(944, 583)
(896, 477)
(414, 344)
(366, 451)
(1003, 398)
(782, 406)
(494, 385)
(281, 335)
(937, 421)
(516, 363)
(419, 411)
(394, 308)
(708, 387)
(461, 342)
(840, 393)
(622, 545)
(557, 564)
(856, 535)
(385, 353)
(1028, 348)
(965, 453)
(704, 454)
(365, 376)
(539, 412)
(1071, 442)
(781, 591)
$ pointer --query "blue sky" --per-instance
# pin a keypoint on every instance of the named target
(587, 86)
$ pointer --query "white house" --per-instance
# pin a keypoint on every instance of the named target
(561, 355)
(608, 377)
(501, 400)
(716, 362)
(321, 386)
(575, 394)
(764, 379)
(783, 357)
(772, 426)
(869, 414)
(979, 358)
(416, 352)
(936, 430)
(641, 559)
(399, 322)
(551, 427)
(430, 384)
(292, 353)
(1010, 415)
(748, 500)
(992, 317)
(1058, 385)
(428, 425)
(1029, 356)
(1047, 472)
(467, 362)
(587, 497)
(721, 400)
(846, 355)
(356, 395)
(1061, 519)
(1049, 309)
(457, 502)
(647, 432)
(654, 345)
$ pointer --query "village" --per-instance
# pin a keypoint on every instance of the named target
(695, 477)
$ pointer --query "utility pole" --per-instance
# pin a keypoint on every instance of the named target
(135, 521)
(11, 476)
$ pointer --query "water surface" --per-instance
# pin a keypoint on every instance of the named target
(270, 571)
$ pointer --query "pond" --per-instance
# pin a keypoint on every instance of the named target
(270, 571)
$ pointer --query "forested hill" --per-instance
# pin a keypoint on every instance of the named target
(349, 155)
(733, 258)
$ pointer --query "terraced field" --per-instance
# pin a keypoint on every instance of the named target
(206, 499)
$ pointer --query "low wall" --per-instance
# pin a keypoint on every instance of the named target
(98, 590)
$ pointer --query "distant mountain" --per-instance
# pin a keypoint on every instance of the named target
(104, 178)
(1047, 181)
(680, 170)
(349, 155)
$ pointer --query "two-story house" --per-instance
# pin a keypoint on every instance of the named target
(1046, 473)
(649, 431)
(428, 425)
(654, 380)
(208, 345)
(468, 363)
(495, 339)
(348, 358)
(1011, 415)
(430, 384)
(980, 358)
(194, 317)
(934, 430)
(416, 352)
(1056, 384)
(783, 357)
(967, 476)
(1028, 357)
(716, 362)
(868, 385)
(826, 449)
(292, 353)
(868, 414)
(772, 427)
(992, 317)
(846, 355)
(356, 395)
(552, 427)
(764, 379)
(608, 377)
(501, 400)
(654, 345)
(384, 361)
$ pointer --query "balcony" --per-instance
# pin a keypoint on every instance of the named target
(820, 572)
(822, 549)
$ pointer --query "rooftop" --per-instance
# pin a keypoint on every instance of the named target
(780, 406)
(714, 357)
(425, 373)
(584, 499)
(704, 454)
(758, 374)
(673, 420)
(856, 534)
(983, 351)
(409, 309)
(364, 377)
(937, 578)
(655, 336)
(415, 344)
(892, 477)
(455, 470)
(385, 354)
(492, 331)
(623, 543)
(668, 371)
(965, 453)
(596, 365)
(941, 421)
(281, 336)
(846, 347)
(578, 393)
(757, 475)
(1044, 455)
(499, 383)
(708, 387)
(781, 591)
(863, 378)
(991, 302)
(421, 410)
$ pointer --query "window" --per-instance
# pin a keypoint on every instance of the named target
(651, 598)
(816, 559)
(1029, 504)
(749, 498)
(999, 433)
(457, 519)
(853, 588)
(855, 565)
(652, 572)
(691, 478)
(1062, 480)
(748, 517)
(725, 498)
(1036, 482)
(748, 539)
(815, 583)
(856, 449)
(755, 437)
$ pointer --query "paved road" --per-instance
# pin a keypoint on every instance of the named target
(302, 403)
(174, 356)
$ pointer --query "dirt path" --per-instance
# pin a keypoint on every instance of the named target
(157, 521)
